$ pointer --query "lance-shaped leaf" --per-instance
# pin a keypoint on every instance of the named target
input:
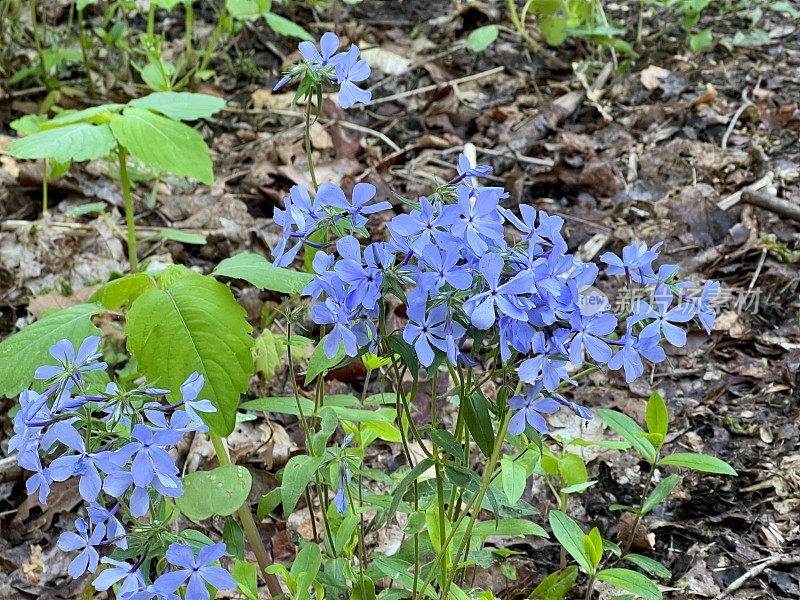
(163, 143)
(191, 322)
(183, 106)
(77, 141)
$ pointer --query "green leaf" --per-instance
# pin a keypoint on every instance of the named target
(184, 237)
(268, 503)
(287, 405)
(448, 442)
(593, 544)
(247, 9)
(552, 29)
(192, 322)
(26, 351)
(257, 270)
(81, 4)
(267, 353)
(218, 492)
(124, 289)
(657, 416)
(85, 209)
(556, 585)
(578, 487)
(631, 581)
(699, 462)
(78, 141)
(482, 37)
(659, 493)
(28, 124)
(648, 564)
(297, 474)
(305, 568)
(182, 106)
(400, 490)
(514, 479)
(545, 7)
(520, 527)
(700, 40)
(168, 4)
(244, 573)
(570, 536)
(164, 144)
(630, 430)
(284, 26)
(233, 537)
(95, 114)
(479, 422)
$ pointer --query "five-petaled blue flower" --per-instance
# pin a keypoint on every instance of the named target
(198, 571)
(85, 542)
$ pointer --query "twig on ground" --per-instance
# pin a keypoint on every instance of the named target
(734, 198)
(437, 86)
(779, 206)
(781, 559)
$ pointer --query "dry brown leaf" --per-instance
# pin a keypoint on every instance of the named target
(775, 118)
(270, 100)
(52, 300)
(387, 61)
(642, 539)
(652, 76)
(708, 98)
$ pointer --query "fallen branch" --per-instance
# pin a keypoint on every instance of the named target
(781, 559)
(779, 206)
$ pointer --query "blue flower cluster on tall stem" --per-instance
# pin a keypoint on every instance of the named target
(115, 446)
(464, 279)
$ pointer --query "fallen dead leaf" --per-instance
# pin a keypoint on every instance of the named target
(270, 100)
(386, 60)
(708, 98)
(775, 118)
(642, 539)
(652, 76)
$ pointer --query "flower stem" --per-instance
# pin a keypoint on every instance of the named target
(44, 186)
(308, 143)
(248, 523)
(85, 53)
(38, 43)
(126, 193)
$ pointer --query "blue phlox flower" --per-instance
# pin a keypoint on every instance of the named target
(130, 576)
(115, 531)
(424, 328)
(83, 464)
(467, 171)
(635, 264)
(479, 219)
(152, 592)
(198, 571)
(364, 281)
(302, 215)
(547, 365)
(551, 273)
(529, 410)
(71, 365)
(325, 278)
(119, 482)
(29, 423)
(444, 268)
(587, 331)
(150, 460)
(190, 390)
(663, 318)
(41, 478)
(581, 411)
(179, 423)
(85, 542)
(349, 71)
(424, 225)
(332, 313)
(705, 312)
(515, 334)
(325, 56)
(481, 307)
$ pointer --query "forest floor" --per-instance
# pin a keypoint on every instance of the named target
(656, 153)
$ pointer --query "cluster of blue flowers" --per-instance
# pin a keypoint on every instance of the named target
(344, 69)
(116, 445)
(466, 283)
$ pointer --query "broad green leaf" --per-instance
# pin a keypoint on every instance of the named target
(648, 564)
(78, 141)
(570, 536)
(287, 405)
(305, 568)
(659, 493)
(24, 352)
(545, 7)
(95, 114)
(247, 9)
(400, 490)
(268, 503)
(572, 469)
(182, 106)
(168, 4)
(28, 124)
(482, 37)
(267, 353)
(448, 442)
(297, 474)
(700, 40)
(556, 585)
(479, 422)
(192, 322)
(244, 573)
(630, 430)
(257, 270)
(233, 537)
(184, 237)
(319, 363)
(520, 527)
(631, 581)
(514, 479)
(124, 289)
(699, 462)
(163, 143)
(552, 29)
(657, 417)
(284, 26)
(218, 492)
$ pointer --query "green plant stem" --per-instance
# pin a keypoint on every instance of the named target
(475, 502)
(38, 43)
(308, 143)
(438, 466)
(85, 54)
(590, 587)
(512, 7)
(126, 193)
(151, 20)
(248, 523)
(187, 6)
(360, 535)
(211, 45)
(638, 518)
